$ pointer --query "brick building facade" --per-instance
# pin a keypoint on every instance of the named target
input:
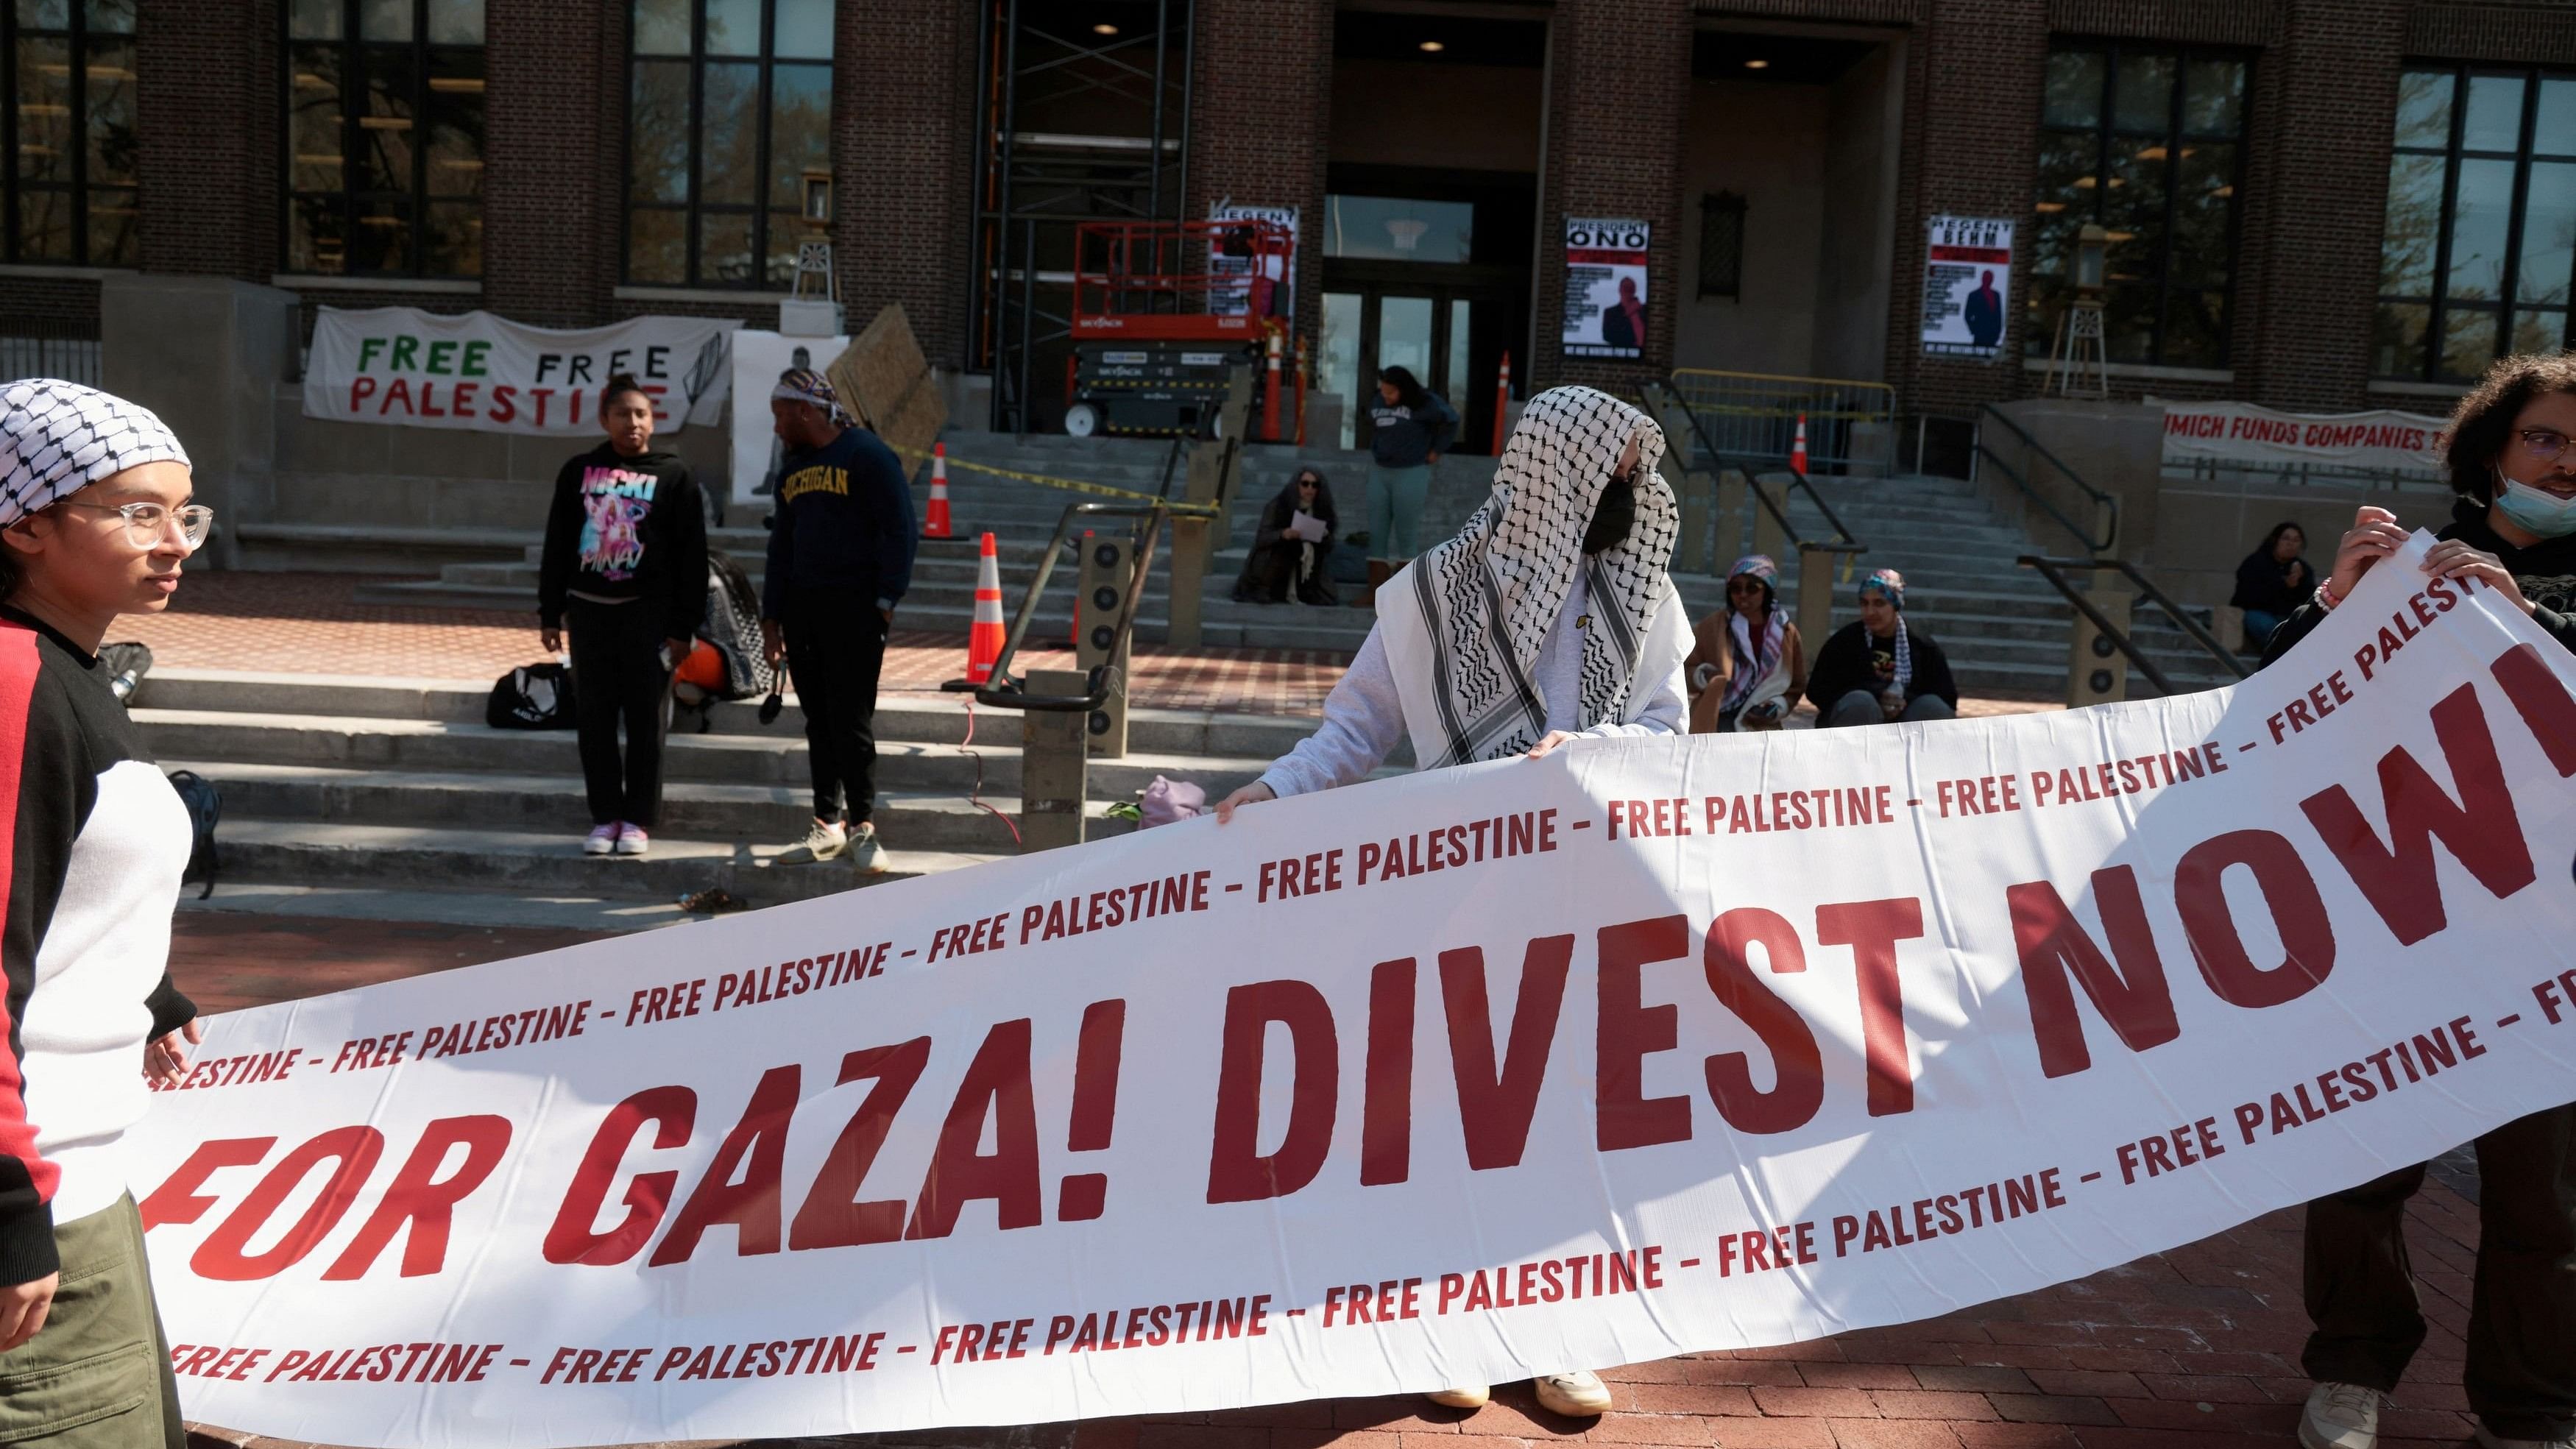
(1619, 86)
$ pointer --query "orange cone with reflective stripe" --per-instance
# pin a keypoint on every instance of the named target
(1798, 449)
(984, 636)
(936, 524)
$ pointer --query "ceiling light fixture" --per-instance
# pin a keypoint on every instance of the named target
(1433, 47)
(1757, 65)
(1104, 28)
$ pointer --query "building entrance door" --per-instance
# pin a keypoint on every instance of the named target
(1451, 338)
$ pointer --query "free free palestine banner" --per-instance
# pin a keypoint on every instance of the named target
(489, 374)
(1654, 1046)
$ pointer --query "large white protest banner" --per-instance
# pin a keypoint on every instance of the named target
(475, 370)
(1656, 1045)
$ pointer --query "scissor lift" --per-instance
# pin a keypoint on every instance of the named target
(1163, 311)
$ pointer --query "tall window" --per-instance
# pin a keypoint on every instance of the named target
(69, 131)
(2481, 231)
(731, 104)
(2148, 144)
(1721, 245)
(384, 137)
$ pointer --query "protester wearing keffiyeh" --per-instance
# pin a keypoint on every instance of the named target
(1749, 665)
(1549, 614)
(57, 438)
(1881, 669)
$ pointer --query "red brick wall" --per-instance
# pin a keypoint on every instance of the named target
(207, 101)
(902, 153)
(1619, 77)
(1260, 120)
(2191, 22)
(554, 160)
(1971, 148)
(2531, 34)
(2325, 108)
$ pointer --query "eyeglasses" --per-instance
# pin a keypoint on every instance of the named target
(2544, 444)
(1744, 586)
(146, 524)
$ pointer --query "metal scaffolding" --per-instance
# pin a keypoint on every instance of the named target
(1083, 115)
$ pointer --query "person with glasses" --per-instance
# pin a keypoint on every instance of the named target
(96, 521)
(2513, 529)
(1549, 618)
(1293, 545)
(1749, 666)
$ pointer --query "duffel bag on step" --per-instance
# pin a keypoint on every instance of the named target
(531, 697)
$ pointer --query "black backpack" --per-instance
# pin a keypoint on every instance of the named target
(531, 697)
(205, 807)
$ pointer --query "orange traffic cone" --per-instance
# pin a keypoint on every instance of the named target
(984, 636)
(1798, 449)
(936, 525)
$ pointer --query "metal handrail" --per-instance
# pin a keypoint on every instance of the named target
(1004, 692)
(2053, 570)
(1845, 541)
(2109, 503)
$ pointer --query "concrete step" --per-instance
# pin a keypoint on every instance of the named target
(508, 759)
(553, 804)
(921, 718)
(549, 863)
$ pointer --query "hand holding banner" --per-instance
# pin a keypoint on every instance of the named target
(1649, 1047)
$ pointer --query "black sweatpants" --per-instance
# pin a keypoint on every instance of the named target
(835, 650)
(618, 678)
(2521, 1372)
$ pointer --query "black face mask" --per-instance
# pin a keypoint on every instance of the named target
(1614, 516)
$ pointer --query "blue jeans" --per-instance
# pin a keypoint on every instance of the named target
(1395, 498)
(1861, 707)
(2259, 625)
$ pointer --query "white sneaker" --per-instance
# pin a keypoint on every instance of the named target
(867, 857)
(2340, 1416)
(1578, 1394)
(601, 840)
(633, 839)
(2492, 1440)
(825, 841)
(1475, 1397)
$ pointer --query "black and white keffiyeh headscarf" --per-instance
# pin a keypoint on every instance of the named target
(58, 437)
(1487, 598)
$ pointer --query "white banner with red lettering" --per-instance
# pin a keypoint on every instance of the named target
(2247, 433)
(475, 370)
(1654, 1046)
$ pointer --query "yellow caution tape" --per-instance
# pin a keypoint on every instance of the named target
(1072, 485)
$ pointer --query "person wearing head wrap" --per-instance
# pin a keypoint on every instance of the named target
(1749, 665)
(840, 558)
(1292, 544)
(1549, 618)
(96, 519)
(1880, 669)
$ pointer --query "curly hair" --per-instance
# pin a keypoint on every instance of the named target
(2482, 424)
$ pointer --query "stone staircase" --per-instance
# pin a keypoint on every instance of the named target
(2004, 627)
(364, 787)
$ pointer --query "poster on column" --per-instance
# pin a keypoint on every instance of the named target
(760, 359)
(1248, 293)
(1967, 286)
(475, 370)
(1605, 287)
(1656, 1046)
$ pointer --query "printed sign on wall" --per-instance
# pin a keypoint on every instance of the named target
(1605, 287)
(1967, 286)
(1272, 293)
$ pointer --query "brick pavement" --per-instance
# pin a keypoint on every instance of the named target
(311, 623)
(2196, 1348)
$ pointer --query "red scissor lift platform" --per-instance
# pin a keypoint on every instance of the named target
(1163, 311)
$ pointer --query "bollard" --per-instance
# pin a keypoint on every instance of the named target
(1191, 546)
(1054, 778)
(1730, 517)
(1108, 563)
(1815, 596)
(2096, 671)
(1770, 536)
